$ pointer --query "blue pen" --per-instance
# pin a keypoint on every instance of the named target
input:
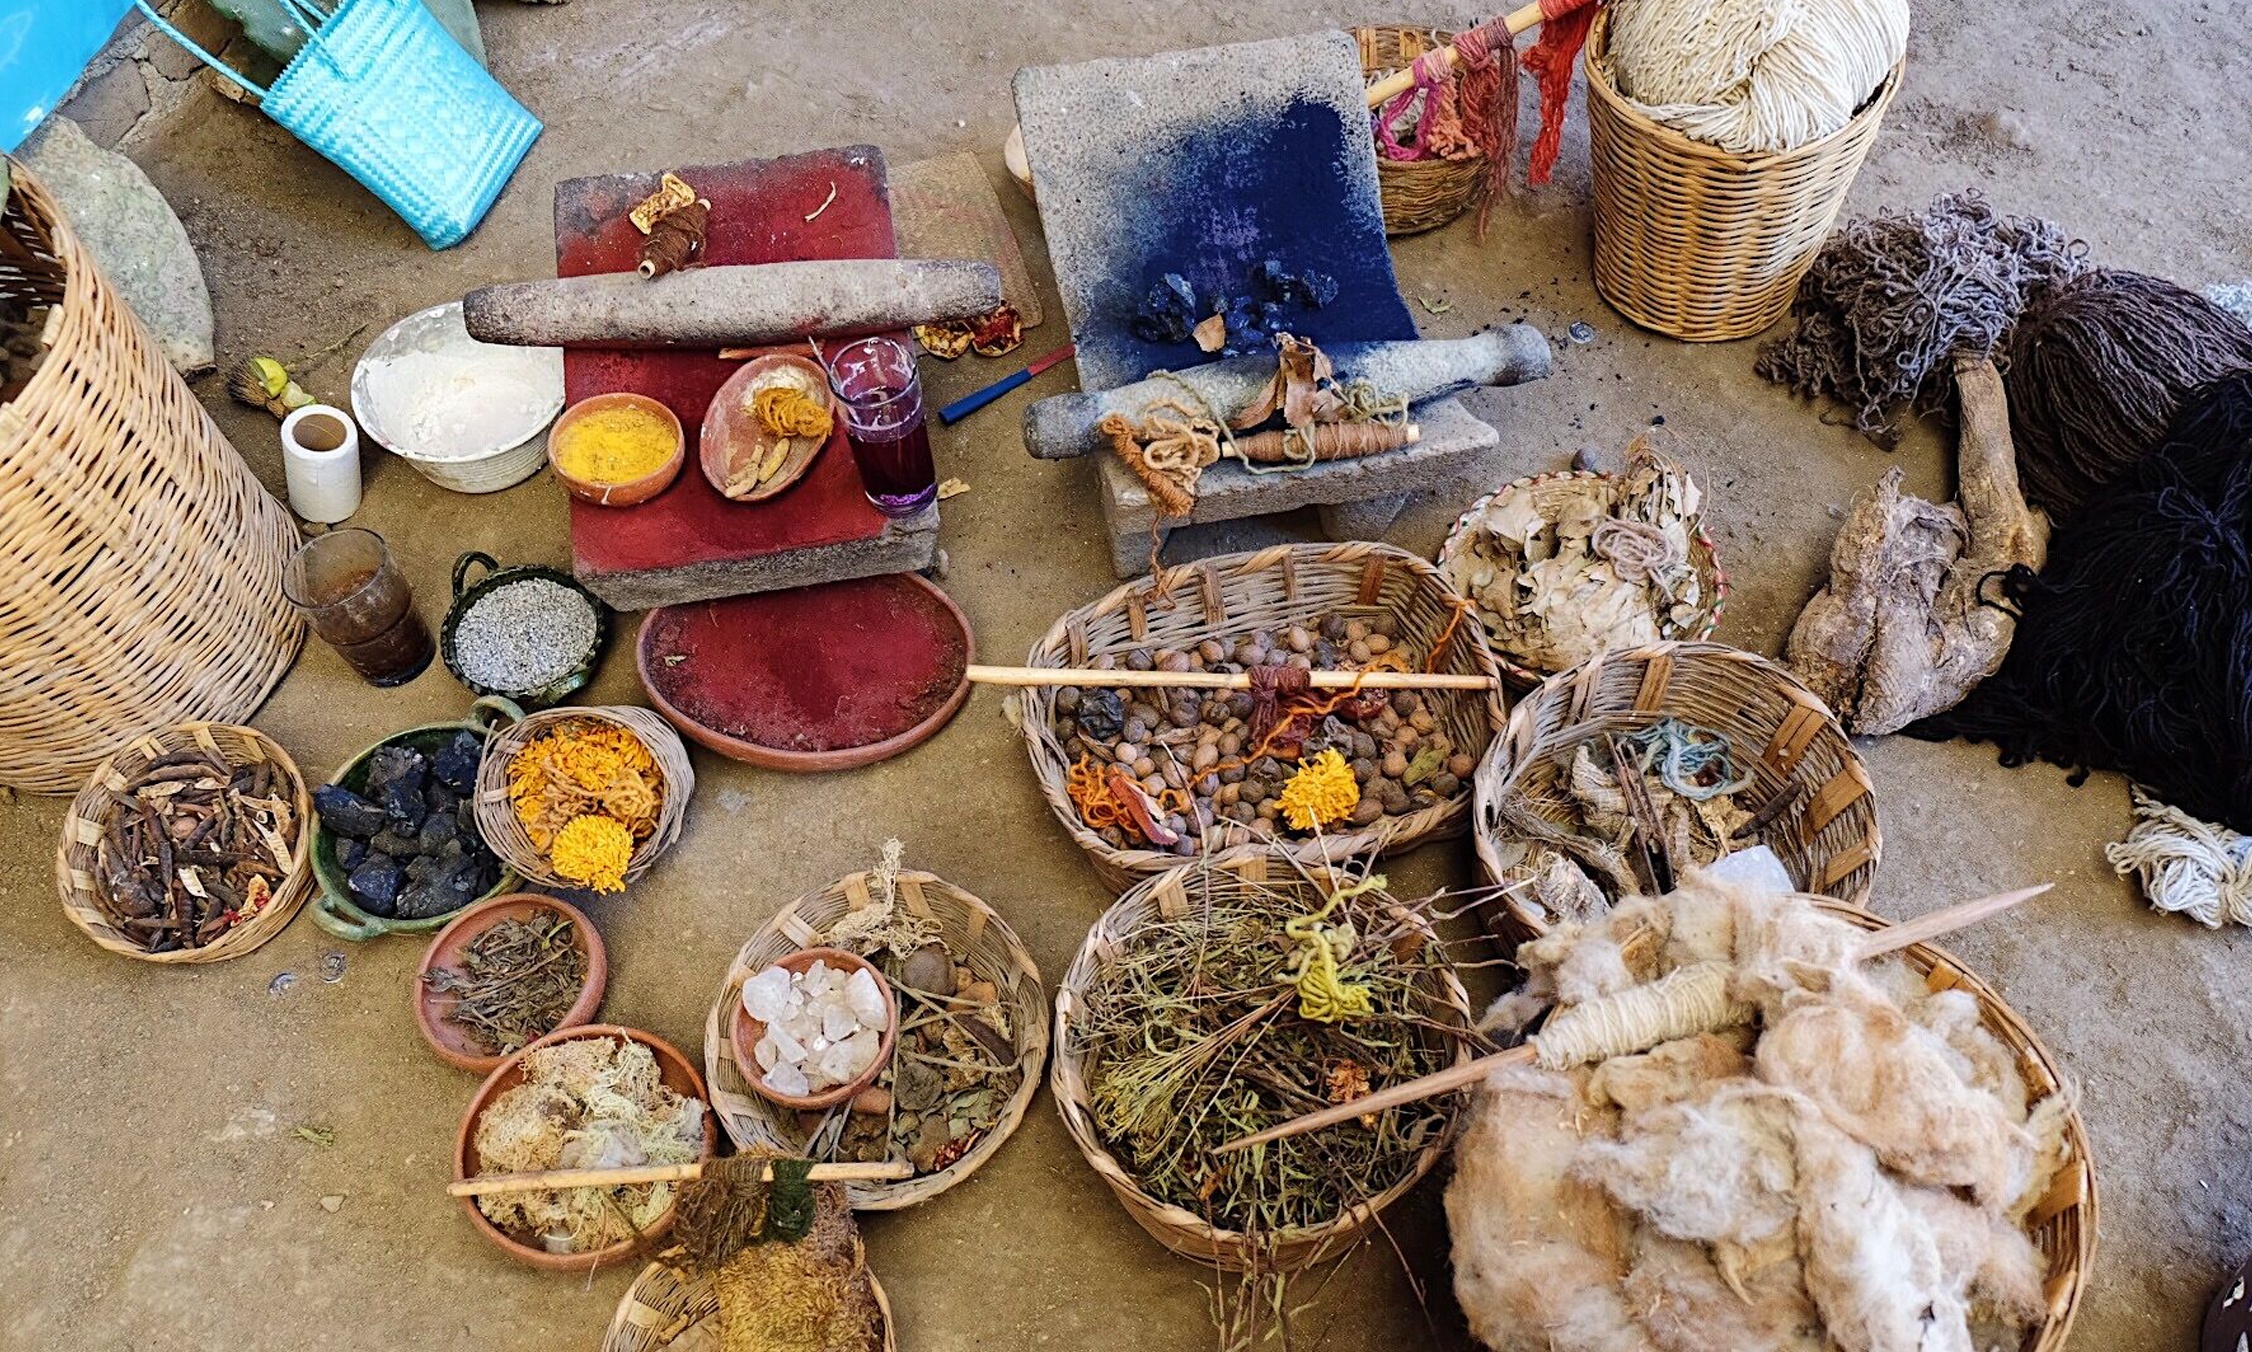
(971, 403)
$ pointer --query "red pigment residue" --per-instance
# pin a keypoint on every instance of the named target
(813, 669)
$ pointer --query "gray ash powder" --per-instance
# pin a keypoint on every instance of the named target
(521, 636)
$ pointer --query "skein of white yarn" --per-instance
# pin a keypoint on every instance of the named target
(2187, 866)
(1754, 76)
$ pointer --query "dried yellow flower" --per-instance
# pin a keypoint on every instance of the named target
(1322, 791)
(594, 851)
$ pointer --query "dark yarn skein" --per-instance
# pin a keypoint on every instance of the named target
(2097, 367)
(2135, 650)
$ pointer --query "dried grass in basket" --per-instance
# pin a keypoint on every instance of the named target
(1418, 195)
(978, 939)
(496, 817)
(1170, 895)
(1780, 733)
(141, 586)
(1701, 243)
(2063, 1224)
(668, 1309)
(90, 814)
(1703, 556)
(1232, 595)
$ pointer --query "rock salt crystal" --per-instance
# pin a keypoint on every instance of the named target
(824, 1026)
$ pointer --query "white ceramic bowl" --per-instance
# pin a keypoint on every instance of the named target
(520, 453)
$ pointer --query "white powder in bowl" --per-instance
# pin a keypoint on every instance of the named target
(463, 399)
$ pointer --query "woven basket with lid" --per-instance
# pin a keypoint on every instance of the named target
(1418, 195)
(1780, 733)
(496, 816)
(977, 937)
(1701, 243)
(141, 586)
(1231, 595)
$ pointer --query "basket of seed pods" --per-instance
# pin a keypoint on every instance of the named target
(528, 633)
(1618, 777)
(189, 845)
(972, 1033)
(585, 797)
(1336, 744)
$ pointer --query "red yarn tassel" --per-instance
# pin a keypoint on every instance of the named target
(1563, 31)
(1486, 94)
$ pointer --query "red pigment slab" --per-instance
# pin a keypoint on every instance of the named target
(758, 216)
(812, 678)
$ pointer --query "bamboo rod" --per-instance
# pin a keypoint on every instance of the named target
(1401, 81)
(1890, 939)
(1221, 680)
(553, 1180)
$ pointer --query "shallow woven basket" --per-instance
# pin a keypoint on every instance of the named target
(1418, 195)
(981, 941)
(1234, 594)
(1781, 734)
(496, 818)
(90, 813)
(1701, 243)
(669, 1310)
(1182, 1231)
(2063, 1224)
(141, 585)
(1712, 578)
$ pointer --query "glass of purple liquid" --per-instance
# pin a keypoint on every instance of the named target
(882, 398)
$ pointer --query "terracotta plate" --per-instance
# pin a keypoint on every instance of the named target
(733, 435)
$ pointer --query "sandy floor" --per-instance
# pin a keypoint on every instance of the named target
(152, 1192)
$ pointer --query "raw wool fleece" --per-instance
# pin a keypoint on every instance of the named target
(1693, 1198)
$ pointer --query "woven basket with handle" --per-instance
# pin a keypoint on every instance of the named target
(91, 811)
(976, 937)
(1174, 893)
(1231, 595)
(2062, 1224)
(496, 816)
(1780, 733)
(1418, 195)
(1701, 243)
(141, 585)
(668, 1309)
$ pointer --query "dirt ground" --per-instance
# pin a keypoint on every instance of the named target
(153, 1192)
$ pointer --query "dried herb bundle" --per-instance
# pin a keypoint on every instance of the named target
(516, 982)
(193, 847)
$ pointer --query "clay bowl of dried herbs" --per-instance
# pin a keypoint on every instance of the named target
(504, 975)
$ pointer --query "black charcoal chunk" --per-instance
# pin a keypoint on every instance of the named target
(390, 765)
(401, 801)
(455, 763)
(1169, 312)
(439, 829)
(350, 852)
(375, 884)
(397, 844)
(346, 813)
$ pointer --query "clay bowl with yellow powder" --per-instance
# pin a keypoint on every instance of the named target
(749, 458)
(616, 450)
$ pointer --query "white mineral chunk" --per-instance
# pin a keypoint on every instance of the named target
(817, 978)
(767, 995)
(787, 1049)
(788, 1079)
(765, 1052)
(859, 1052)
(839, 1021)
(866, 1000)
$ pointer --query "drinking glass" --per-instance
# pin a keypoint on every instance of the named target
(350, 589)
(882, 397)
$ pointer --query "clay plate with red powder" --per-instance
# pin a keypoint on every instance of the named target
(816, 678)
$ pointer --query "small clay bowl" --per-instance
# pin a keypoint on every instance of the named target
(452, 1044)
(732, 432)
(632, 492)
(679, 1075)
(746, 1031)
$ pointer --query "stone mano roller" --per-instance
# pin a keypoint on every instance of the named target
(742, 305)
(1064, 425)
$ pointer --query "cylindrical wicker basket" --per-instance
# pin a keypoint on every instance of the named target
(1185, 1233)
(1418, 195)
(1232, 595)
(2063, 1224)
(90, 813)
(1781, 733)
(1703, 556)
(979, 940)
(141, 586)
(668, 1309)
(1701, 243)
(496, 817)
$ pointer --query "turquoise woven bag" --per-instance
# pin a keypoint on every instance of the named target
(387, 95)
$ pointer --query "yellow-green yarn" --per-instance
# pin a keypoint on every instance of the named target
(1324, 995)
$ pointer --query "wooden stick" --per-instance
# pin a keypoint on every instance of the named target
(1401, 81)
(554, 1180)
(1890, 939)
(1221, 680)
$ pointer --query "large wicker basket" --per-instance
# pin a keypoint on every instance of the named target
(141, 585)
(1418, 195)
(1780, 732)
(1232, 595)
(90, 813)
(980, 940)
(1701, 243)
(496, 817)
(2063, 1224)
(1185, 1233)
(670, 1310)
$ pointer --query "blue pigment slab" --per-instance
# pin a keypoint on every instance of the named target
(1204, 163)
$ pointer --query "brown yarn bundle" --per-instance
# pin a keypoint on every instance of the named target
(2098, 366)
